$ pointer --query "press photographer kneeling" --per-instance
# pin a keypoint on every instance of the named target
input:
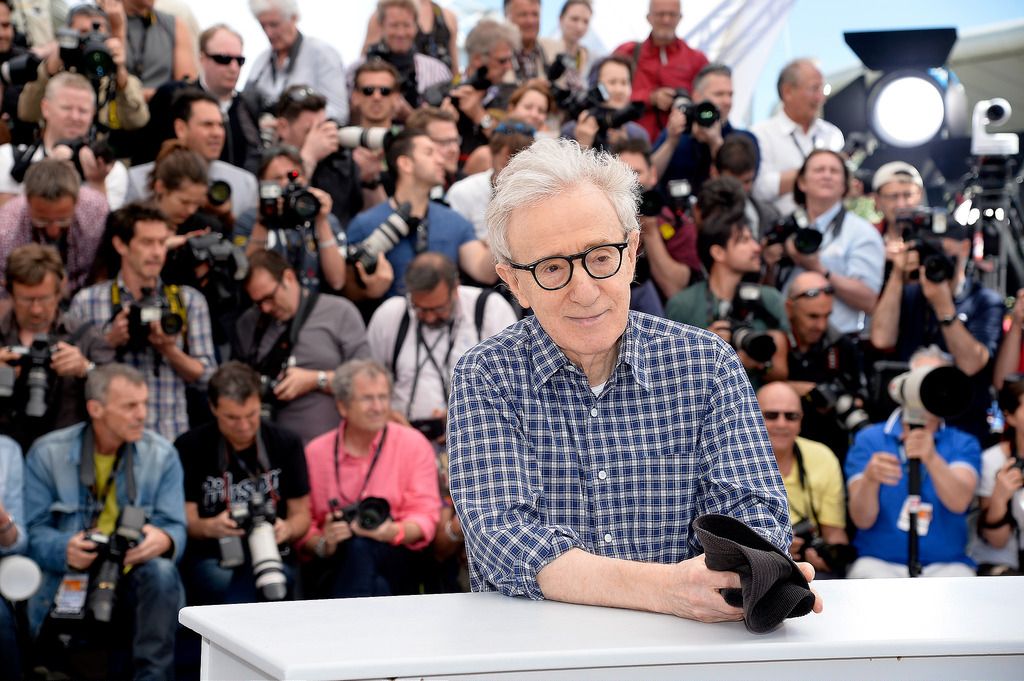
(46, 355)
(246, 497)
(101, 496)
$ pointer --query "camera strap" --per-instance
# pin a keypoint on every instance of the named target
(441, 374)
(369, 472)
(87, 474)
(262, 461)
(280, 355)
(802, 476)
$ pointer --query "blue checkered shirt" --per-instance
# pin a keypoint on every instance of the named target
(540, 465)
(166, 410)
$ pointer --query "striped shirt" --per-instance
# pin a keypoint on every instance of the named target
(166, 410)
(540, 465)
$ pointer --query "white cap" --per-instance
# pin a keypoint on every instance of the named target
(899, 171)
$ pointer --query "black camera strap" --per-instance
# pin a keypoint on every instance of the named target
(87, 474)
(802, 476)
(280, 355)
(373, 462)
(441, 373)
(224, 456)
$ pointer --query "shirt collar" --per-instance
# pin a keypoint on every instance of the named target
(671, 48)
(549, 358)
(825, 219)
(374, 443)
(894, 424)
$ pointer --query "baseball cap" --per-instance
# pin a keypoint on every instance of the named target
(896, 170)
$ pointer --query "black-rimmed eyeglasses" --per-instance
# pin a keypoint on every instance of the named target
(600, 262)
(814, 293)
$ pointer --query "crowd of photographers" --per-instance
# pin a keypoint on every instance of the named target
(278, 276)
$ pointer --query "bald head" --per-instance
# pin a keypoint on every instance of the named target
(777, 401)
(778, 396)
(806, 281)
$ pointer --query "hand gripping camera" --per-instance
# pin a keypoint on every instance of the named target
(152, 307)
(759, 345)
(922, 230)
(109, 565)
(806, 240)
(370, 512)
(383, 239)
(292, 207)
(35, 363)
(705, 114)
(256, 516)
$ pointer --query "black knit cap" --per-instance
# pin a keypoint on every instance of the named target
(772, 587)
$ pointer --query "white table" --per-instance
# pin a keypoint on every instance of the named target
(870, 629)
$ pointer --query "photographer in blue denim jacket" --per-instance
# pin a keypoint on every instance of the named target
(12, 540)
(87, 487)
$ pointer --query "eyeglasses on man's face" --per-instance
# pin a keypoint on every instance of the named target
(791, 416)
(552, 273)
(368, 90)
(225, 59)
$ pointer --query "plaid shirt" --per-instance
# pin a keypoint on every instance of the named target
(540, 465)
(166, 410)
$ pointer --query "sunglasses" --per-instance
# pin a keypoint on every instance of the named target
(368, 90)
(791, 416)
(814, 293)
(301, 94)
(515, 129)
(225, 59)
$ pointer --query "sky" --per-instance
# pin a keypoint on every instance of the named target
(814, 28)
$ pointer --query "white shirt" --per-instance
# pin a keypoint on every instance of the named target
(448, 347)
(784, 145)
(116, 182)
(469, 198)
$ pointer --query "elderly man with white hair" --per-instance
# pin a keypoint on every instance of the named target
(294, 59)
(585, 439)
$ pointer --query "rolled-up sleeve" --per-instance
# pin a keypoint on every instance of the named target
(495, 484)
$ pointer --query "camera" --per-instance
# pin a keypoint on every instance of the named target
(806, 240)
(35, 366)
(943, 391)
(86, 54)
(218, 193)
(705, 114)
(353, 136)
(383, 239)
(370, 512)
(837, 556)
(431, 428)
(435, 94)
(834, 398)
(922, 230)
(290, 207)
(109, 564)
(759, 345)
(152, 307)
(99, 146)
(20, 70)
(227, 265)
(256, 517)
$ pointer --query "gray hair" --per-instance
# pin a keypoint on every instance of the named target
(548, 168)
(790, 74)
(51, 179)
(345, 376)
(712, 69)
(488, 33)
(67, 79)
(97, 385)
(287, 8)
(429, 269)
(931, 352)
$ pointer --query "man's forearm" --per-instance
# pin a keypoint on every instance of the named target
(885, 320)
(969, 355)
(1008, 358)
(580, 577)
(854, 292)
(863, 503)
(331, 261)
(187, 367)
(669, 274)
(955, 488)
(661, 156)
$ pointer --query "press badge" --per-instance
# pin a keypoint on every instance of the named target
(924, 517)
(69, 602)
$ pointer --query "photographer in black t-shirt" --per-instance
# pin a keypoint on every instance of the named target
(226, 463)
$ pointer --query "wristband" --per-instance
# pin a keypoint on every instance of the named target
(328, 243)
(399, 538)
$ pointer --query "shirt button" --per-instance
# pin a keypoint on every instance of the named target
(593, 412)
(601, 475)
(608, 538)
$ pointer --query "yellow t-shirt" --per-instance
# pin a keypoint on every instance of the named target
(107, 521)
(825, 480)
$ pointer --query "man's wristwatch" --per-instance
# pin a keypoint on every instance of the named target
(948, 320)
(487, 122)
(320, 548)
(321, 380)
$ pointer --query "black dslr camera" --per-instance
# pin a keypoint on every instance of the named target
(152, 307)
(86, 54)
(109, 564)
(806, 240)
(292, 207)
(834, 398)
(746, 305)
(922, 230)
(705, 114)
(383, 239)
(370, 513)
(21, 69)
(435, 94)
(256, 516)
(35, 365)
(837, 556)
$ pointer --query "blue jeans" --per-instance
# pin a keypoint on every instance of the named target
(152, 593)
(366, 567)
(10, 653)
(207, 583)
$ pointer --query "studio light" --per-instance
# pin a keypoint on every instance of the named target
(906, 109)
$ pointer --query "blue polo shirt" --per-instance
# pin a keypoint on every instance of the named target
(447, 231)
(946, 541)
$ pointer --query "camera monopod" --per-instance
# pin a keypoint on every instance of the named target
(942, 391)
